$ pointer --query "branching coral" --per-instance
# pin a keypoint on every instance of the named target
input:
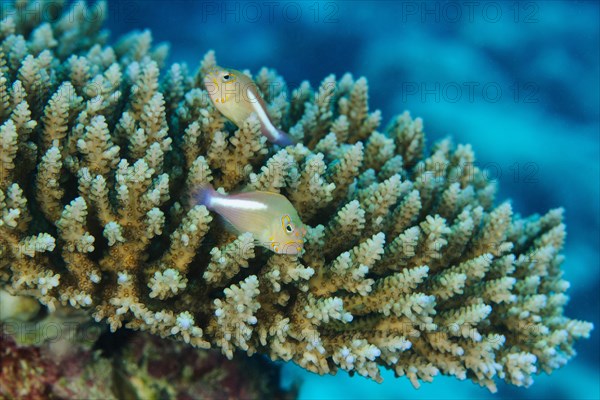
(408, 263)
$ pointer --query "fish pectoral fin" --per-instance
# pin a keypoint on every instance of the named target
(228, 226)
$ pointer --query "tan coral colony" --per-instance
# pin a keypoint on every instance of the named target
(409, 262)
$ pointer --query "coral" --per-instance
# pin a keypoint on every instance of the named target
(24, 372)
(409, 264)
(51, 356)
(156, 370)
(60, 356)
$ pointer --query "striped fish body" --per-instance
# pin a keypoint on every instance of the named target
(270, 217)
(236, 96)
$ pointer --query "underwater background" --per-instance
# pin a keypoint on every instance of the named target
(519, 81)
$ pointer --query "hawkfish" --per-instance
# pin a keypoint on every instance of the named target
(269, 217)
(236, 96)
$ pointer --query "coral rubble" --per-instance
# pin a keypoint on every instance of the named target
(409, 264)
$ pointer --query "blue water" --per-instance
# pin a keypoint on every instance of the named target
(519, 81)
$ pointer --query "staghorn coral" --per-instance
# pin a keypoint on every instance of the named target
(409, 264)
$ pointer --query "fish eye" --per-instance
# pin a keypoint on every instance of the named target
(286, 224)
(228, 77)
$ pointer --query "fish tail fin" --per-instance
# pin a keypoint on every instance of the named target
(204, 193)
(283, 138)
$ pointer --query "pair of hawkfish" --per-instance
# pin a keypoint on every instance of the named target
(270, 217)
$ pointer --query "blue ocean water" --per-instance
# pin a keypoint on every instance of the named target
(517, 80)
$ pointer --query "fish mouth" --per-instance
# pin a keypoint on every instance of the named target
(292, 248)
